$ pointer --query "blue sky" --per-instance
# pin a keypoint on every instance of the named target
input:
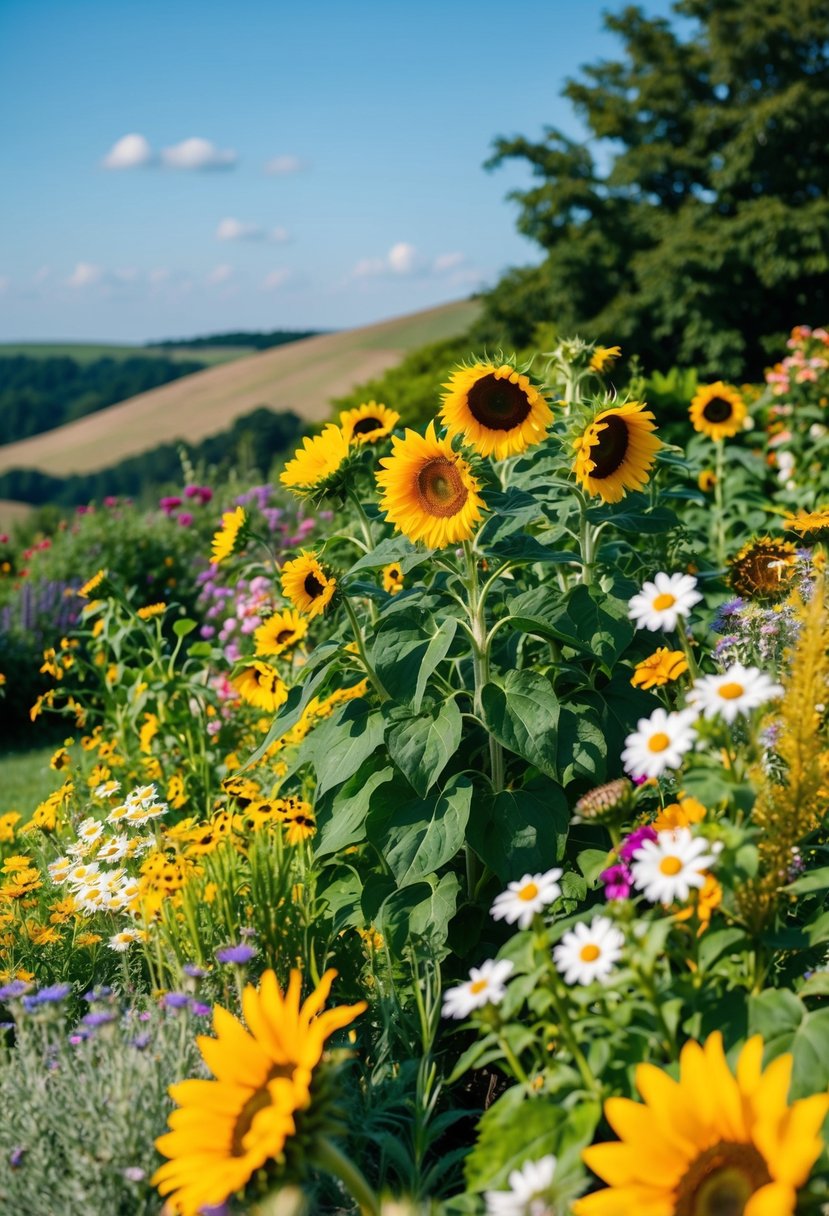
(339, 175)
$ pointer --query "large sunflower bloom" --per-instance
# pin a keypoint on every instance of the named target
(368, 423)
(306, 585)
(316, 464)
(710, 1144)
(280, 632)
(496, 409)
(224, 541)
(764, 568)
(226, 1129)
(615, 452)
(717, 411)
(260, 684)
(429, 493)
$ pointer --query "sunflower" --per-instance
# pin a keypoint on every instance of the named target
(316, 466)
(259, 684)
(392, 578)
(707, 480)
(429, 493)
(226, 1129)
(92, 584)
(710, 1144)
(764, 568)
(604, 357)
(368, 423)
(151, 610)
(306, 585)
(717, 411)
(280, 632)
(614, 453)
(805, 522)
(224, 541)
(662, 667)
(495, 409)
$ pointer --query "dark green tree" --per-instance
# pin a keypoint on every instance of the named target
(693, 226)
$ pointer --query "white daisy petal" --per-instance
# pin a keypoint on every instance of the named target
(665, 870)
(737, 691)
(486, 986)
(589, 952)
(661, 603)
(659, 742)
(524, 898)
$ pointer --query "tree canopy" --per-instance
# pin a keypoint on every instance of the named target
(693, 225)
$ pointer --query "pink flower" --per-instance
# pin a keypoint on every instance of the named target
(185, 519)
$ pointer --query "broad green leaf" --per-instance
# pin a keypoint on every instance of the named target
(598, 627)
(338, 746)
(421, 745)
(521, 831)
(816, 880)
(407, 649)
(183, 626)
(722, 941)
(421, 911)
(393, 549)
(422, 835)
(341, 814)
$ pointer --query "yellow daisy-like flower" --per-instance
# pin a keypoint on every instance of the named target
(306, 585)
(764, 568)
(707, 480)
(615, 451)
(660, 668)
(224, 1130)
(280, 632)
(261, 685)
(604, 357)
(709, 1144)
(805, 522)
(392, 578)
(224, 541)
(429, 493)
(300, 823)
(91, 584)
(717, 411)
(368, 423)
(151, 610)
(682, 814)
(495, 409)
(316, 464)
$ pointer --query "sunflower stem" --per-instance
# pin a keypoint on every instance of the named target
(334, 1161)
(719, 503)
(685, 643)
(480, 660)
(365, 522)
(361, 650)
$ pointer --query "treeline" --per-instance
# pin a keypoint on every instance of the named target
(241, 337)
(38, 395)
(253, 441)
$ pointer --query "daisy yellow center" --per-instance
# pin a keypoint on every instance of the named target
(610, 448)
(659, 741)
(589, 953)
(478, 986)
(313, 587)
(528, 892)
(664, 601)
(721, 1181)
(670, 866)
(366, 426)
(440, 489)
(497, 404)
(731, 691)
(717, 410)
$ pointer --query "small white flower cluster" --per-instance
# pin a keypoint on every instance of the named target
(660, 741)
(529, 1191)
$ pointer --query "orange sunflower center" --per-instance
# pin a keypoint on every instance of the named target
(717, 410)
(721, 1181)
(440, 488)
(313, 587)
(497, 404)
(366, 425)
(611, 445)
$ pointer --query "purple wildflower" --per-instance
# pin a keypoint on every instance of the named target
(235, 954)
(200, 1009)
(16, 1157)
(724, 613)
(99, 1017)
(175, 1000)
(194, 971)
(10, 992)
(142, 1041)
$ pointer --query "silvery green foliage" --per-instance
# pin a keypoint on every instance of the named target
(81, 1108)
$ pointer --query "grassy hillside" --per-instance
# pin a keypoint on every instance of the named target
(303, 377)
(87, 352)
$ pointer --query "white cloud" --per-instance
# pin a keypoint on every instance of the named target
(285, 166)
(220, 274)
(445, 262)
(159, 275)
(196, 153)
(276, 279)
(230, 229)
(279, 235)
(401, 259)
(85, 274)
(129, 152)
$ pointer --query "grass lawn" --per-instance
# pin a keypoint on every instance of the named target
(26, 779)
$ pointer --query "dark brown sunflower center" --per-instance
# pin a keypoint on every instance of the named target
(497, 404)
(717, 410)
(260, 1099)
(366, 425)
(721, 1181)
(313, 586)
(764, 570)
(440, 488)
(609, 452)
(285, 635)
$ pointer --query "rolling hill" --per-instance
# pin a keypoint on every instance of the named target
(303, 376)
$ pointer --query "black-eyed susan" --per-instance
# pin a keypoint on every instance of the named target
(92, 584)
(392, 578)
(764, 568)
(711, 1143)
(280, 632)
(603, 358)
(429, 493)
(717, 411)
(615, 451)
(261, 685)
(318, 466)
(226, 1129)
(806, 523)
(229, 534)
(707, 480)
(300, 823)
(368, 423)
(306, 584)
(661, 667)
(495, 408)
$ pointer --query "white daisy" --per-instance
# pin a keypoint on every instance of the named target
(142, 795)
(79, 875)
(660, 604)
(113, 848)
(666, 869)
(737, 691)
(659, 742)
(486, 986)
(89, 831)
(59, 870)
(118, 813)
(106, 789)
(129, 891)
(522, 899)
(528, 1192)
(92, 897)
(589, 952)
(123, 940)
